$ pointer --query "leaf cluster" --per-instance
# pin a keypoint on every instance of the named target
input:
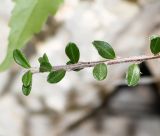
(100, 70)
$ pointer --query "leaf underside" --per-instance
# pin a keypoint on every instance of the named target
(133, 75)
(100, 71)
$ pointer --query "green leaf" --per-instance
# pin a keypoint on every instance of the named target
(20, 59)
(56, 76)
(100, 71)
(133, 75)
(72, 52)
(27, 79)
(104, 49)
(45, 67)
(43, 59)
(28, 17)
(26, 90)
(155, 44)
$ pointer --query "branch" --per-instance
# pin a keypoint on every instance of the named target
(81, 65)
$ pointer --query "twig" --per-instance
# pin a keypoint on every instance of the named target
(81, 65)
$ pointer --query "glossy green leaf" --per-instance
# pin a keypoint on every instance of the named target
(56, 76)
(72, 52)
(27, 79)
(45, 58)
(26, 90)
(133, 75)
(155, 44)
(28, 17)
(100, 71)
(104, 49)
(20, 59)
(45, 65)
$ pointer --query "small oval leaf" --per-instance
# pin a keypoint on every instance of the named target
(100, 71)
(133, 75)
(26, 90)
(155, 44)
(104, 49)
(27, 79)
(56, 76)
(20, 59)
(72, 52)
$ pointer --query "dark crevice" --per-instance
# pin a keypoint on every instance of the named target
(144, 70)
(147, 92)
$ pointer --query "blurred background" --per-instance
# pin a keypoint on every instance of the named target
(79, 105)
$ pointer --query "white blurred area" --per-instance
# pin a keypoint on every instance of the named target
(48, 110)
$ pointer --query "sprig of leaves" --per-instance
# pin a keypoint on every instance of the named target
(100, 69)
(28, 19)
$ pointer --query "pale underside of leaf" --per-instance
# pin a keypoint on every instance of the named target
(100, 71)
(133, 74)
